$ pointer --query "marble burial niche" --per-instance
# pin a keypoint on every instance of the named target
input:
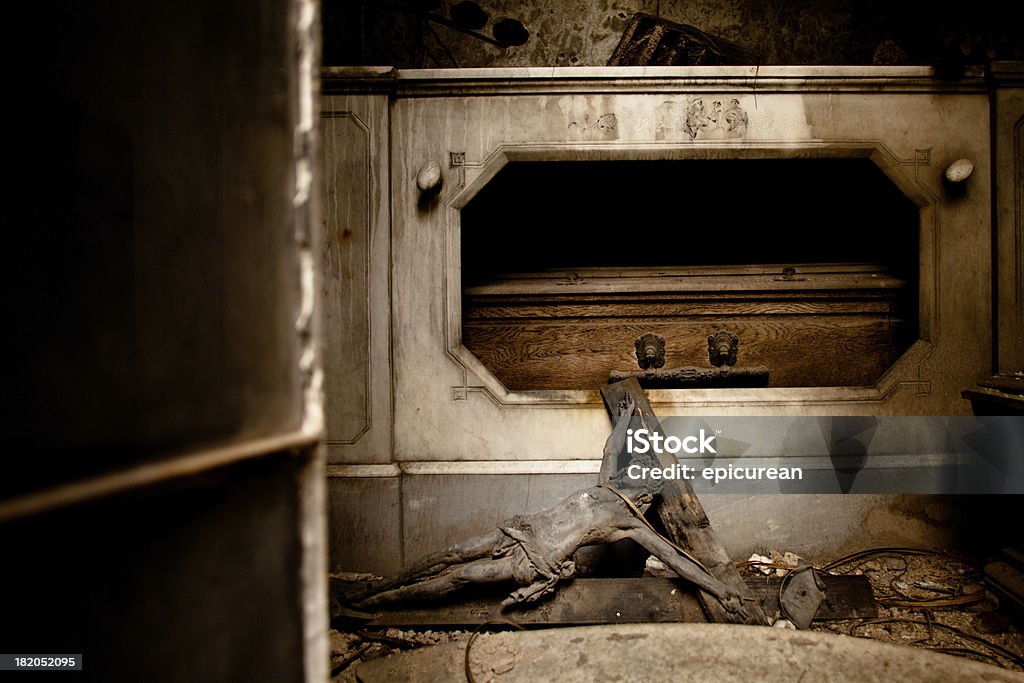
(801, 208)
(811, 262)
(468, 327)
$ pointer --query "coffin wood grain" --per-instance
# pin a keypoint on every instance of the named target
(825, 325)
(798, 351)
(480, 310)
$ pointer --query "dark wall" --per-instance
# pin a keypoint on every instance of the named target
(191, 581)
(585, 32)
(153, 161)
(150, 289)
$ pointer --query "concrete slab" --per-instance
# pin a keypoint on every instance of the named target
(718, 653)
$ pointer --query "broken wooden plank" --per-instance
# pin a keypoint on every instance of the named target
(595, 601)
(1007, 583)
(576, 603)
(1013, 556)
(682, 514)
(846, 596)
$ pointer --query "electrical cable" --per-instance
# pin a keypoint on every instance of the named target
(1003, 652)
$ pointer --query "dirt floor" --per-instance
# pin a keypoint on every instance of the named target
(933, 601)
(936, 601)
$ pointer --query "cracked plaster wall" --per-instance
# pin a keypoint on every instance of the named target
(584, 33)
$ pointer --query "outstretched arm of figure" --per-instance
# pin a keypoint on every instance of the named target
(688, 569)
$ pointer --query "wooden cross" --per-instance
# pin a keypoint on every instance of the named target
(680, 511)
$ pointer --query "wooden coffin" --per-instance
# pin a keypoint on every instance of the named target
(811, 325)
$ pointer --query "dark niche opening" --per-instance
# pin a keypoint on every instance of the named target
(565, 263)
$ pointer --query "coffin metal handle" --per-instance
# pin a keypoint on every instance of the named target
(650, 351)
(722, 348)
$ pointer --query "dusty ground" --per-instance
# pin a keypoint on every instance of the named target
(926, 600)
(349, 647)
(936, 602)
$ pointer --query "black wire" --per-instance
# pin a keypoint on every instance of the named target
(879, 551)
(1012, 656)
(967, 652)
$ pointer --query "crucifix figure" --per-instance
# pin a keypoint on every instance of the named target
(536, 551)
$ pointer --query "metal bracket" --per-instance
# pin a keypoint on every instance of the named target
(650, 351)
(722, 348)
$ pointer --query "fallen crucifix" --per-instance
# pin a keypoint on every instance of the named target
(679, 510)
(536, 550)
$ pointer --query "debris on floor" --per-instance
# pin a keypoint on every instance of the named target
(347, 648)
(773, 564)
(931, 600)
(922, 598)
